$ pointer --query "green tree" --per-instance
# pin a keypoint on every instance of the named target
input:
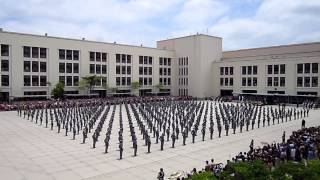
(58, 91)
(88, 82)
(135, 86)
(159, 86)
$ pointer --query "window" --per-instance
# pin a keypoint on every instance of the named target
(282, 69)
(69, 67)
(62, 54)
(62, 68)
(169, 71)
(62, 80)
(98, 83)
(118, 59)
(140, 81)
(69, 80)
(91, 56)
(221, 81)
(104, 81)
(270, 81)
(129, 59)
(299, 68)
(161, 61)
(160, 71)
(165, 71)
(145, 81)
(118, 81)
(43, 80)
(249, 70)
(75, 68)
(140, 59)
(275, 69)
(145, 70)
(98, 69)
(231, 70)
(164, 81)
(69, 54)
(4, 65)
(123, 58)
(75, 55)
(169, 81)
(165, 61)
(249, 83)
(104, 69)
(92, 69)
(314, 82)
(314, 67)
(140, 70)
(4, 50)
(43, 67)
(128, 81)
(43, 53)
(123, 69)
(98, 56)
(306, 81)
(244, 81)
(26, 81)
(276, 81)
(75, 80)
(104, 57)
(254, 81)
(226, 71)
(128, 69)
(169, 61)
(299, 82)
(269, 69)
(35, 52)
(123, 81)
(117, 69)
(160, 81)
(35, 80)
(26, 52)
(226, 81)
(145, 60)
(255, 70)
(35, 66)
(244, 70)
(282, 81)
(5, 80)
(26, 66)
(150, 70)
(307, 68)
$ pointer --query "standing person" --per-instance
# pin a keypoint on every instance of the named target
(284, 137)
(160, 175)
(303, 124)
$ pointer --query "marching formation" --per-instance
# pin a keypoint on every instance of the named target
(153, 121)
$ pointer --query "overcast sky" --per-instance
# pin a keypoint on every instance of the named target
(241, 23)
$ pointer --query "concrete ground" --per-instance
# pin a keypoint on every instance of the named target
(31, 151)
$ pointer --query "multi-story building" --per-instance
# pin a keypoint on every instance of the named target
(188, 66)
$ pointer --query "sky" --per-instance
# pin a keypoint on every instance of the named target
(241, 23)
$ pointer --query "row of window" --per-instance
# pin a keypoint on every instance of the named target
(164, 61)
(306, 68)
(34, 80)
(4, 65)
(307, 81)
(249, 70)
(123, 81)
(277, 69)
(226, 81)
(249, 81)
(67, 54)
(165, 81)
(123, 70)
(69, 80)
(123, 58)
(98, 56)
(183, 72)
(226, 70)
(98, 69)
(67, 68)
(34, 52)
(183, 82)
(276, 81)
(146, 60)
(145, 70)
(4, 50)
(165, 71)
(145, 81)
(183, 61)
(183, 92)
(101, 82)
(34, 66)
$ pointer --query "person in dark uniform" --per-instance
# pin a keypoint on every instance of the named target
(160, 175)
(303, 124)
(173, 137)
(135, 147)
(161, 142)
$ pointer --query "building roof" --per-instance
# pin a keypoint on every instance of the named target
(273, 50)
(189, 36)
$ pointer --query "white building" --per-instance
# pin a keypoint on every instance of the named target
(192, 65)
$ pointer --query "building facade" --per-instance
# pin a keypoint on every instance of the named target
(194, 65)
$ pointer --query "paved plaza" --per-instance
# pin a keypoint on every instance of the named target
(31, 151)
